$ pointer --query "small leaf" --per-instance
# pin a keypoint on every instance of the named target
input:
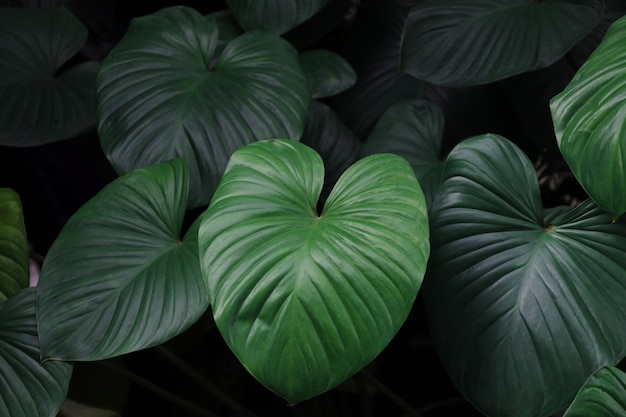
(273, 15)
(118, 278)
(41, 104)
(27, 388)
(603, 395)
(306, 300)
(162, 95)
(326, 72)
(590, 122)
(14, 259)
(412, 129)
(469, 42)
(513, 293)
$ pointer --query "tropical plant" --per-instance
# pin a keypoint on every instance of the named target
(307, 177)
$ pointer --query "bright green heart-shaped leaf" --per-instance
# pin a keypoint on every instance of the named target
(118, 278)
(161, 95)
(306, 300)
(273, 15)
(603, 395)
(590, 122)
(40, 101)
(326, 72)
(469, 42)
(412, 129)
(521, 305)
(27, 387)
(332, 140)
(14, 260)
(372, 48)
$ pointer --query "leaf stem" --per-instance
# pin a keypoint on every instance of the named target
(198, 378)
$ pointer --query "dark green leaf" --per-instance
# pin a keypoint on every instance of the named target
(412, 129)
(603, 395)
(471, 42)
(14, 260)
(522, 307)
(326, 72)
(41, 104)
(306, 300)
(27, 388)
(590, 122)
(274, 15)
(159, 97)
(373, 50)
(118, 278)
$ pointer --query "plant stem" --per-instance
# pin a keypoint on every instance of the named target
(171, 397)
(199, 378)
(395, 398)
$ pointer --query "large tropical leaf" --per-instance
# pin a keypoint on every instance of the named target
(277, 16)
(27, 387)
(303, 299)
(603, 395)
(14, 270)
(412, 129)
(471, 42)
(161, 95)
(326, 72)
(523, 306)
(372, 48)
(119, 278)
(41, 101)
(590, 122)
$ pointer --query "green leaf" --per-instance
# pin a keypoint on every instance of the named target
(412, 129)
(306, 300)
(118, 278)
(27, 388)
(521, 306)
(273, 15)
(326, 72)
(14, 259)
(603, 395)
(332, 140)
(160, 97)
(372, 48)
(42, 102)
(469, 42)
(590, 122)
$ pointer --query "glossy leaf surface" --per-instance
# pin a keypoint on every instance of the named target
(469, 42)
(14, 268)
(41, 101)
(521, 304)
(27, 388)
(118, 278)
(590, 122)
(326, 72)
(603, 395)
(161, 95)
(273, 15)
(306, 300)
(412, 129)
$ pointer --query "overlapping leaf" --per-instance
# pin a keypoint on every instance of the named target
(118, 278)
(274, 15)
(42, 102)
(603, 395)
(306, 300)
(27, 387)
(161, 95)
(326, 72)
(14, 270)
(590, 122)
(412, 129)
(521, 304)
(471, 42)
